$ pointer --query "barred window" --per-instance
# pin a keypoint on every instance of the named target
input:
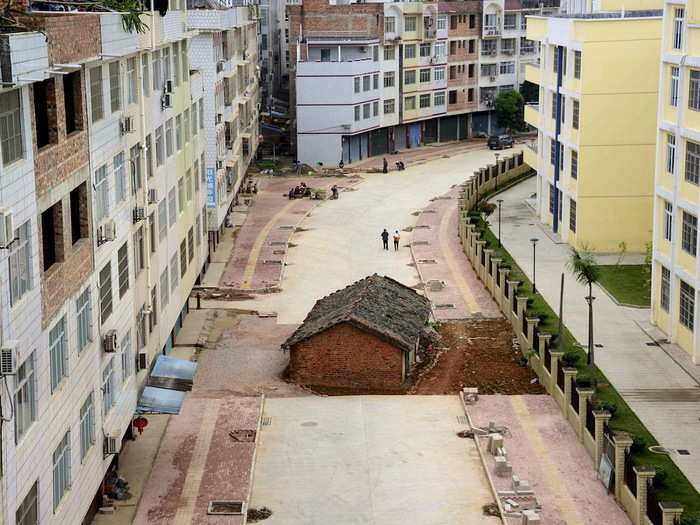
(694, 90)
(61, 470)
(668, 221)
(87, 425)
(689, 238)
(692, 162)
(20, 262)
(574, 164)
(687, 305)
(675, 77)
(574, 114)
(671, 153)
(665, 299)
(11, 127)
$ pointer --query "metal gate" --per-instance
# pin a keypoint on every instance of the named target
(400, 137)
(364, 146)
(449, 129)
(346, 149)
(355, 148)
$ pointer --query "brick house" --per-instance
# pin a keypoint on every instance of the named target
(364, 336)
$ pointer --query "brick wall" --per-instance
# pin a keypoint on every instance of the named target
(345, 356)
(458, 63)
(72, 38)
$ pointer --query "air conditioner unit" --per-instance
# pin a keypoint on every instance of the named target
(166, 101)
(126, 125)
(138, 214)
(152, 196)
(142, 362)
(7, 228)
(219, 164)
(109, 230)
(109, 341)
(112, 444)
(168, 86)
(219, 118)
(8, 358)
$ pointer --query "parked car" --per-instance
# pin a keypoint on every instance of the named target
(500, 142)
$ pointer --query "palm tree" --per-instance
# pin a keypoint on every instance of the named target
(585, 270)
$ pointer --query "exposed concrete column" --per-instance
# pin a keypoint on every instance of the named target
(601, 418)
(584, 394)
(644, 477)
(622, 444)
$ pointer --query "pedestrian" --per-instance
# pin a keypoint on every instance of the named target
(386, 166)
(385, 239)
(397, 238)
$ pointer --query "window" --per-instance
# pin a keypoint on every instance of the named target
(164, 289)
(675, 77)
(410, 23)
(689, 238)
(181, 195)
(668, 221)
(165, 54)
(572, 215)
(670, 153)
(366, 83)
(425, 100)
(108, 387)
(692, 162)
(365, 111)
(160, 153)
(127, 356)
(172, 206)
(190, 244)
(687, 305)
(470, 70)
(115, 91)
(105, 292)
(389, 79)
(58, 352)
(551, 199)
(552, 152)
(389, 106)
(389, 52)
(145, 79)
(410, 103)
(472, 21)
(176, 62)
(409, 76)
(574, 164)
(198, 230)
(665, 296)
(439, 98)
(470, 95)
(83, 310)
(139, 252)
(87, 425)
(28, 511)
(24, 397)
(52, 235)
(96, 104)
(554, 105)
(201, 114)
(563, 107)
(149, 155)
(694, 90)
(389, 24)
(507, 68)
(425, 75)
(119, 178)
(453, 22)
(472, 46)
(157, 78)
(375, 53)
(169, 137)
(439, 49)
(442, 23)
(194, 120)
(73, 101)
(561, 156)
(452, 96)
(375, 109)
(439, 73)
(20, 261)
(410, 51)
(575, 113)
(356, 81)
(357, 113)
(509, 21)
(123, 269)
(186, 125)
(174, 273)
(178, 132)
(152, 238)
(188, 184)
(425, 50)
(45, 124)
(679, 14)
(375, 81)
(61, 470)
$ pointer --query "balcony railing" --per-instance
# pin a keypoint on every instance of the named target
(492, 31)
(488, 52)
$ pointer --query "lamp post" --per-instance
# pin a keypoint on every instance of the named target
(589, 300)
(499, 201)
(534, 259)
(498, 169)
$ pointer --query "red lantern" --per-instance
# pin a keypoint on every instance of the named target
(140, 423)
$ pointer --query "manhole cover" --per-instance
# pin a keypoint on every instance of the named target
(656, 449)
(683, 452)
(444, 306)
(420, 243)
(427, 261)
(286, 227)
(422, 227)
(278, 252)
(272, 261)
(278, 243)
(228, 508)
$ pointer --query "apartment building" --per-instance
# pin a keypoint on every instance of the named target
(505, 51)
(103, 171)
(676, 266)
(595, 149)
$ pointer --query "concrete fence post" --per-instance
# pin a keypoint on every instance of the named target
(488, 253)
(672, 512)
(532, 323)
(544, 373)
(477, 263)
(584, 394)
(520, 309)
(644, 477)
(601, 418)
(623, 442)
(496, 261)
(569, 378)
(556, 363)
(502, 300)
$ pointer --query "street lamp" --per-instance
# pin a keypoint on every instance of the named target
(589, 300)
(534, 258)
(497, 170)
(499, 201)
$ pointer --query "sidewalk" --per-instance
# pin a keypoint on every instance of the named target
(658, 382)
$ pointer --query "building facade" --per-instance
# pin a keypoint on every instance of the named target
(595, 149)
(676, 267)
(103, 172)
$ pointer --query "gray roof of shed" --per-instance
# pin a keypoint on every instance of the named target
(376, 304)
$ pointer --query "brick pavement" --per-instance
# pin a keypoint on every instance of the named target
(264, 236)
(437, 226)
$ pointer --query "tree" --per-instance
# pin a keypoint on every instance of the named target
(509, 109)
(530, 92)
(585, 270)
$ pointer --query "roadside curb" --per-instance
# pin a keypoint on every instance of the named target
(254, 458)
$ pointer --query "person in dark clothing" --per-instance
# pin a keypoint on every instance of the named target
(385, 239)
(386, 166)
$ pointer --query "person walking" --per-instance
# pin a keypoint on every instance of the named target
(386, 166)
(385, 239)
(397, 238)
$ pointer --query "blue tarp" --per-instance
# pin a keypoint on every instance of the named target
(156, 400)
(171, 372)
(272, 128)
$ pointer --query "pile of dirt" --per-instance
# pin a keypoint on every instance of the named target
(478, 353)
(260, 514)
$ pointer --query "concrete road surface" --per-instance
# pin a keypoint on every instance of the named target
(368, 460)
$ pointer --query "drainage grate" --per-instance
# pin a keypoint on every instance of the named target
(421, 243)
(445, 198)
(242, 436)
(444, 306)
(653, 344)
(277, 252)
(225, 508)
(286, 227)
(422, 227)
(272, 261)
(429, 211)
(683, 452)
(266, 421)
(278, 243)
(435, 285)
(427, 261)
(462, 420)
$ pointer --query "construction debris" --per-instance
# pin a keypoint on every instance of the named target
(491, 509)
(258, 514)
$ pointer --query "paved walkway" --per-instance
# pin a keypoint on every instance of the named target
(660, 391)
(544, 450)
(413, 156)
(368, 460)
(439, 257)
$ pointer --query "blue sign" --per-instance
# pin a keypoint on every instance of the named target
(211, 187)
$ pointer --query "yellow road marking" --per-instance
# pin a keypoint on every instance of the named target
(195, 472)
(449, 256)
(563, 499)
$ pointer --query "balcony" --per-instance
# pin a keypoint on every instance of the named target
(532, 115)
(532, 73)
(489, 52)
(22, 53)
(491, 32)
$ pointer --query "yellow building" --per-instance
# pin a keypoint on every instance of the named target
(596, 123)
(676, 267)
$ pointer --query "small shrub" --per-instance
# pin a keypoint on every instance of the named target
(606, 405)
(486, 207)
(584, 381)
(570, 358)
(659, 477)
(690, 519)
(638, 444)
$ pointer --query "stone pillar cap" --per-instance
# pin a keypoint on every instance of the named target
(556, 353)
(644, 470)
(585, 390)
(602, 414)
(570, 370)
(670, 505)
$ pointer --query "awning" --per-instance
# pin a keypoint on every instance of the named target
(156, 400)
(173, 373)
